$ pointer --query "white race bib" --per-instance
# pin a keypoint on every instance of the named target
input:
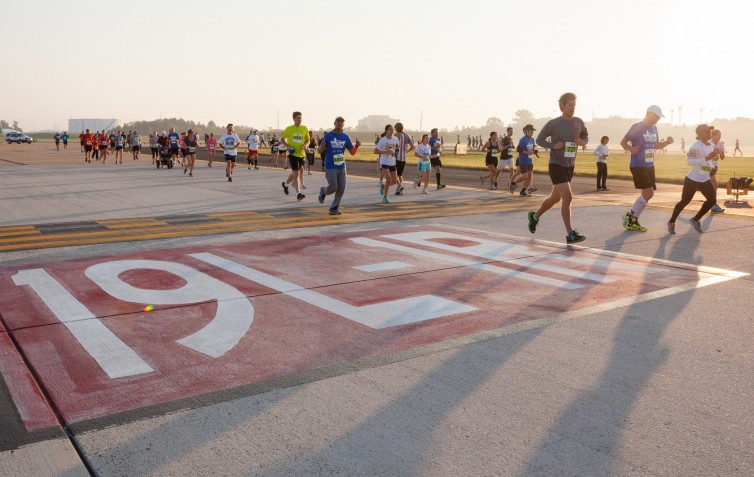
(570, 150)
(493, 154)
(649, 155)
(511, 151)
(338, 159)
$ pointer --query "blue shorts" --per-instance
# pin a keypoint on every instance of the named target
(424, 166)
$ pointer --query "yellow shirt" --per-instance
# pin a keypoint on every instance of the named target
(297, 138)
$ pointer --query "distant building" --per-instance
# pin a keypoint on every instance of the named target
(375, 122)
(93, 124)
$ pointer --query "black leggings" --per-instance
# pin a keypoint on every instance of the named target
(689, 189)
(601, 174)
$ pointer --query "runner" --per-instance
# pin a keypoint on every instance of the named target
(56, 137)
(64, 138)
(229, 142)
(642, 141)
(683, 145)
(261, 141)
(435, 143)
(252, 144)
(119, 141)
(111, 138)
(191, 145)
(405, 145)
(602, 152)
(506, 157)
(334, 145)
(566, 133)
(701, 157)
(135, 145)
(184, 152)
(87, 139)
(154, 147)
(294, 139)
(386, 148)
(83, 140)
(719, 146)
(423, 152)
(174, 138)
(103, 142)
(525, 150)
(490, 160)
(211, 147)
(274, 153)
(738, 149)
(310, 154)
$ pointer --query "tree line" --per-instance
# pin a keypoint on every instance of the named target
(5, 125)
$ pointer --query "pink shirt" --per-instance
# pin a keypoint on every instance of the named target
(211, 144)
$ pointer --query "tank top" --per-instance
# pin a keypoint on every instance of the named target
(494, 148)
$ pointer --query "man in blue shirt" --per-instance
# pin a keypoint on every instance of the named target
(334, 145)
(642, 141)
(56, 137)
(525, 150)
(174, 138)
(435, 144)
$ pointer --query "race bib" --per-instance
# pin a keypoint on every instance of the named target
(338, 159)
(192, 150)
(493, 154)
(298, 138)
(570, 150)
(707, 168)
(88, 143)
(511, 151)
(649, 155)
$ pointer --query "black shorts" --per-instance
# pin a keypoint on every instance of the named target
(230, 158)
(560, 174)
(296, 162)
(135, 148)
(184, 152)
(524, 168)
(154, 148)
(102, 148)
(389, 168)
(88, 148)
(173, 151)
(399, 166)
(435, 162)
(644, 177)
(490, 161)
(310, 158)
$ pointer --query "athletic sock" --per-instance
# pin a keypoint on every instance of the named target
(437, 175)
(638, 206)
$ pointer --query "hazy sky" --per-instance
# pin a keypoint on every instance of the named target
(459, 62)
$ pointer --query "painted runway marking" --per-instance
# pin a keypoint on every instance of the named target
(153, 327)
(383, 266)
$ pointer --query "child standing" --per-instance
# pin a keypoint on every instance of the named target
(602, 152)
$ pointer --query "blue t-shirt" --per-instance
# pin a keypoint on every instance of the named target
(64, 137)
(644, 137)
(434, 144)
(336, 146)
(119, 141)
(526, 143)
(174, 138)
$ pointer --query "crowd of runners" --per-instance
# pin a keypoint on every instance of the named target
(509, 161)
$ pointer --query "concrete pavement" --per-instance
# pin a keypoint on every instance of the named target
(658, 385)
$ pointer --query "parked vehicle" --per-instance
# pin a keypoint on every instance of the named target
(18, 138)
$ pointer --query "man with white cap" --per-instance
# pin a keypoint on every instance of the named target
(642, 141)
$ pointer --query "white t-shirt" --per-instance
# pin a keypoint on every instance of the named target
(601, 151)
(701, 167)
(424, 150)
(720, 146)
(253, 142)
(230, 142)
(383, 144)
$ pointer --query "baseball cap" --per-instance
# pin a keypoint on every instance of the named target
(654, 109)
(529, 127)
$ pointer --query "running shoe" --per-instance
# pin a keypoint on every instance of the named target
(671, 228)
(531, 189)
(335, 212)
(696, 224)
(524, 193)
(627, 221)
(633, 225)
(308, 174)
(384, 200)
(441, 186)
(415, 183)
(495, 184)
(512, 187)
(321, 197)
(533, 221)
(574, 237)
(191, 175)
(285, 188)
(492, 188)
(717, 208)
(230, 179)
(425, 191)
(300, 196)
(256, 168)
(185, 170)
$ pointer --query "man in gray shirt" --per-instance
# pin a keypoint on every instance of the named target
(566, 133)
